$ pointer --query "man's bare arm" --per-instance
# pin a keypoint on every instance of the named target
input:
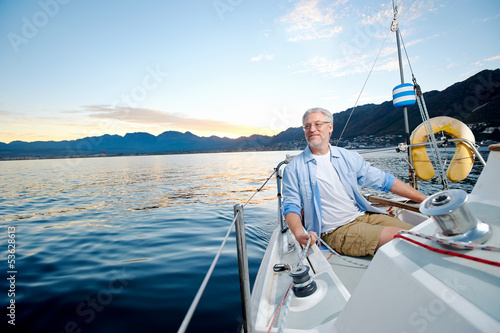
(295, 224)
(405, 190)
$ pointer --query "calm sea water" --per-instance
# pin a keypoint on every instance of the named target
(122, 244)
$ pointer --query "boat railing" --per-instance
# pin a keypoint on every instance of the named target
(403, 147)
(239, 224)
(287, 244)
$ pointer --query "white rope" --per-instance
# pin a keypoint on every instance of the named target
(288, 301)
(303, 254)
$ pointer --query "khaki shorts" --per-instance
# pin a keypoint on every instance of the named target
(360, 237)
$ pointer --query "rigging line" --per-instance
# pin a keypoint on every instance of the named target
(407, 57)
(260, 188)
(425, 118)
(430, 134)
(197, 298)
(203, 285)
(362, 89)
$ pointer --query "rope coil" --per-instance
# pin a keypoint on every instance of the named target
(303, 284)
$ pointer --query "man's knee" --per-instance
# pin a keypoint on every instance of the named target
(387, 234)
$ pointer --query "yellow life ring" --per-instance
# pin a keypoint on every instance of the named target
(462, 161)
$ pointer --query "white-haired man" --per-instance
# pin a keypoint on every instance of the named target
(321, 186)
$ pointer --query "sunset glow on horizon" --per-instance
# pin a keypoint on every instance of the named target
(75, 69)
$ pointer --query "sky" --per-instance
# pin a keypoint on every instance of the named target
(76, 68)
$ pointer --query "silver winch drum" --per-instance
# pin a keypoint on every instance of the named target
(449, 210)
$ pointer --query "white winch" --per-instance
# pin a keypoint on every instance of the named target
(449, 210)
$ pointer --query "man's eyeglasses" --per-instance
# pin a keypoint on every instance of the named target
(318, 125)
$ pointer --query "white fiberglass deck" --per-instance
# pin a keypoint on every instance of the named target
(412, 289)
(407, 288)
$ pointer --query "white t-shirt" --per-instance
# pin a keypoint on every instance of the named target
(337, 208)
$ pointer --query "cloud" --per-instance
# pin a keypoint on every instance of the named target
(493, 58)
(324, 32)
(344, 66)
(309, 20)
(416, 10)
(172, 121)
(331, 67)
(261, 57)
(358, 48)
(130, 114)
(380, 19)
(486, 19)
(6, 113)
(318, 19)
(481, 63)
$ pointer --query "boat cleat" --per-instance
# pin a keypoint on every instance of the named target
(281, 268)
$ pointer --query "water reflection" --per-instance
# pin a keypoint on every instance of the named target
(158, 219)
(397, 164)
(39, 190)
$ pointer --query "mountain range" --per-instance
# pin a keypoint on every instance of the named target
(475, 101)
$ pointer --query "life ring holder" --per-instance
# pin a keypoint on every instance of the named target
(463, 159)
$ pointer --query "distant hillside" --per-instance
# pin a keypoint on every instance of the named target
(475, 101)
(132, 143)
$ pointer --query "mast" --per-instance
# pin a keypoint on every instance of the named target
(395, 28)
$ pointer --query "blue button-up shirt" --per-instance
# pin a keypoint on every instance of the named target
(301, 192)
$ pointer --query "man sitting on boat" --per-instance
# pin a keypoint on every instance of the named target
(321, 185)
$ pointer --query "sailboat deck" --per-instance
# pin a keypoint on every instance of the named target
(348, 273)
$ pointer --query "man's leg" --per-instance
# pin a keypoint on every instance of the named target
(386, 235)
(356, 238)
(365, 234)
(392, 226)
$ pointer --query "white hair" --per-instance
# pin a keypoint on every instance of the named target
(325, 112)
